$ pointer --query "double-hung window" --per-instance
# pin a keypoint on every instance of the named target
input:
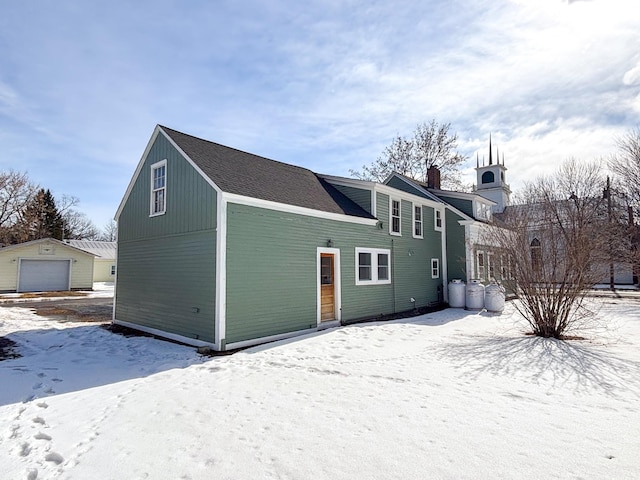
(417, 221)
(481, 266)
(437, 219)
(159, 188)
(394, 222)
(373, 266)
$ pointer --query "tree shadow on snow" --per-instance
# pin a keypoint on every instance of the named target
(566, 364)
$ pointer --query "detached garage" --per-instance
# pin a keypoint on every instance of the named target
(45, 265)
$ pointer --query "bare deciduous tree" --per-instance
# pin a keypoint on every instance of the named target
(16, 191)
(432, 145)
(110, 232)
(626, 164)
(557, 241)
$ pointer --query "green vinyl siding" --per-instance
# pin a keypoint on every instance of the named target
(166, 266)
(272, 269)
(357, 195)
(456, 247)
(190, 200)
(465, 206)
(168, 284)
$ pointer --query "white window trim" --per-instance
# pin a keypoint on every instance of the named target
(437, 211)
(374, 266)
(437, 268)
(391, 232)
(154, 167)
(413, 231)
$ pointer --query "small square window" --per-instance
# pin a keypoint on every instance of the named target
(435, 268)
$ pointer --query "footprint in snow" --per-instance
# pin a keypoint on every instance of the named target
(43, 405)
(37, 386)
(42, 375)
(54, 457)
(32, 474)
(41, 436)
(39, 420)
(24, 450)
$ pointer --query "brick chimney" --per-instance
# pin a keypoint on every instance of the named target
(433, 177)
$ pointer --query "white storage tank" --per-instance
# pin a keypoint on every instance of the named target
(494, 297)
(456, 293)
(475, 295)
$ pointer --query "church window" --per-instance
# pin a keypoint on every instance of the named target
(488, 177)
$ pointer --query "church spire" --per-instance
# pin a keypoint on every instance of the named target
(490, 154)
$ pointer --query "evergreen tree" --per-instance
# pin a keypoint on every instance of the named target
(42, 218)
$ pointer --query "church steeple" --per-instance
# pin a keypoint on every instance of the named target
(490, 151)
(491, 181)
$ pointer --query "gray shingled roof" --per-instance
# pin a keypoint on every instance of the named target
(253, 176)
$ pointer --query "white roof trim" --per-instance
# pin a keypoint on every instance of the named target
(465, 196)
(284, 207)
(414, 185)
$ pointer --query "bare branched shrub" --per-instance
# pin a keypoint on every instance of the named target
(558, 240)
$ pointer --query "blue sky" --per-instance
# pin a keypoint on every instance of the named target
(321, 84)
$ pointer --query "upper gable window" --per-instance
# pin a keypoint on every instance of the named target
(417, 221)
(395, 217)
(159, 188)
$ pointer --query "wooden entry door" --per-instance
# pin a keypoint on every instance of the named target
(327, 287)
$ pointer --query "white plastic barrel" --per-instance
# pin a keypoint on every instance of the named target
(456, 293)
(494, 297)
(475, 295)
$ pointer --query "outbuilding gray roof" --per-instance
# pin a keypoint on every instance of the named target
(106, 250)
(249, 175)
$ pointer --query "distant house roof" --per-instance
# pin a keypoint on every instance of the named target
(105, 250)
(250, 175)
(45, 240)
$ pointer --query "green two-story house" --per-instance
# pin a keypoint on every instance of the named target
(224, 248)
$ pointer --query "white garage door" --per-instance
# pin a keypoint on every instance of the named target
(44, 275)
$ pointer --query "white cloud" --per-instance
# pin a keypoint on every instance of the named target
(632, 76)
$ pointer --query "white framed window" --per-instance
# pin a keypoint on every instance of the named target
(480, 272)
(435, 268)
(437, 219)
(158, 188)
(373, 266)
(491, 268)
(417, 221)
(394, 216)
(113, 269)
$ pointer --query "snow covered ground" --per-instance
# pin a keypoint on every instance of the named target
(449, 395)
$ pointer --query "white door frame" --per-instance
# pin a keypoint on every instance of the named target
(337, 284)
